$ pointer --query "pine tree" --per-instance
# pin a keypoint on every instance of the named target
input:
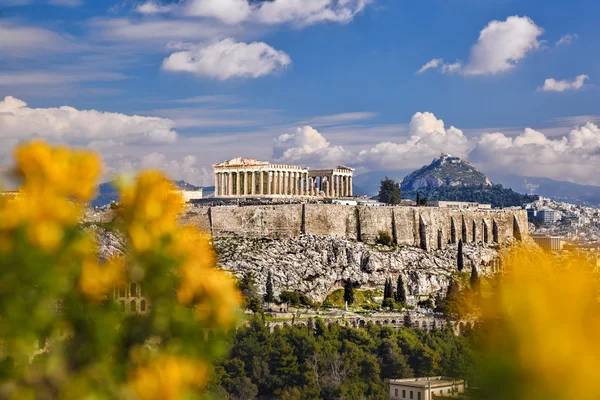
(418, 199)
(400, 292)
(389, 191)
(460, 257)
(269, 295)
(349, 292)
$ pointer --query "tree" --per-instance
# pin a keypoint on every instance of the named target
(474, 280)
(269, 295)
(400, 292)
(388, 291)
(388, 303)
(418, 199)
(460, 256)
(349, 292)
(389, 191)
(407, 320)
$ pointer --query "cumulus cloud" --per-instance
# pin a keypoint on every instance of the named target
(428, 138)
(152, 8)
(227, 59)
(574, 157)
(18, 121)
(501, 45)
(567, 39)
(553, 85)
(309, 146)
(227, 11)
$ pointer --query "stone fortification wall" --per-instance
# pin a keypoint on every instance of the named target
(426, 227)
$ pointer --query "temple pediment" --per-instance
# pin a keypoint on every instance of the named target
(245, 162)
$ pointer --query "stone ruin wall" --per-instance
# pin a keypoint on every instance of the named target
(425, 227)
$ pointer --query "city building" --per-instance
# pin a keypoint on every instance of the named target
(458, 205)
(553, 244)
(248, 178)
(548, 216)
(425, 388)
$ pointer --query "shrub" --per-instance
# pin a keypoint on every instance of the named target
(96, 350)
(385, 238)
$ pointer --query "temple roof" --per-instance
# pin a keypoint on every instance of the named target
(241, 162)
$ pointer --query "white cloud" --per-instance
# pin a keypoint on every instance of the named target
(567, 39)
(227, 11)
(574, 157)
(428, 138)
(18, 121)
(20, 41)
(432, 64)
(310, 147)
(227, 59)
(308, 12)
(552, 85)
(185, 168)
(501, 45)
(152, 8)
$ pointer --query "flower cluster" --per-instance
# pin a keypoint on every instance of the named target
(49, 261)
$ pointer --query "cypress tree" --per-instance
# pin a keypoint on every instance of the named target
(385, 290)
(418, 199)
(269, 295)
(349, 292)
(400, 292)
(407, 320)
(460, 257)
(474, 281)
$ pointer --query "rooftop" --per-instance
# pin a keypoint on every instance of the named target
(434, 382)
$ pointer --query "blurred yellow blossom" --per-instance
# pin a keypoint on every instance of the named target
(547, 337)
(97, 280)
(149, 208)
(168, 378)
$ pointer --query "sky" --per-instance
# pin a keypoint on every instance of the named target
(378, 85)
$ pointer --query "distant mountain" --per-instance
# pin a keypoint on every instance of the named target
(557, 190)
(452, 179)
(108, 193)
(445, 171)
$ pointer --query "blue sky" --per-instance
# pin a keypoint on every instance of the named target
(315, 82)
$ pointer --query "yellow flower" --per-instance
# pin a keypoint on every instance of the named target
(149, 208)
(168, 378)
(47, 235)
(550, 319)
(97, 280)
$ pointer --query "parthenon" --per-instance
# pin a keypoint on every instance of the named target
(243, 177)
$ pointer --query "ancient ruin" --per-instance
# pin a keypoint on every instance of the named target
(243, 177)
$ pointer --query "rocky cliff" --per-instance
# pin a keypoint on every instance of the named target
(317, 265)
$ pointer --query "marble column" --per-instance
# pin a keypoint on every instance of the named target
(222, 189)
(295, 183)
(253, 182)
(302, 184)
(237, 183)
(350, 186)
(216, 184)
(230, 183)
(270, 183)
(285, 183)
(261, 191)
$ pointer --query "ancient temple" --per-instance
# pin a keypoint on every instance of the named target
(242, 177)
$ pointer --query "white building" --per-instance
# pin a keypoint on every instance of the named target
(458, 205)
(425, 388)
(548, 216)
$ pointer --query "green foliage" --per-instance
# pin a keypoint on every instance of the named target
(335, 362)
(269, 295)
(496, 195)
(388, 292)
(389, 303)
(389, 191)
(474, 281)
(427, 303)
(460, 256)
(349, 292)
(400, 291)
(295, 299)
(385, 238)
